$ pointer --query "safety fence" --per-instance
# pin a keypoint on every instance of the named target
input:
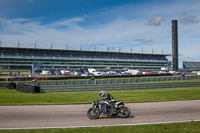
(115, 81)
(113, 87)
(105, 84)
(66, 77)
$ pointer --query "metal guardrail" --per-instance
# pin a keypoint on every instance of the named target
(114, 87)
(114, 84)
(114, 81)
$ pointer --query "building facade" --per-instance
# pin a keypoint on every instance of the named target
(23, 58)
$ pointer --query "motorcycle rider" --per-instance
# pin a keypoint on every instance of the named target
(110, 99)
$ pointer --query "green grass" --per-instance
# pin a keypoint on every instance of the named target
(187, 127)
(13, 97)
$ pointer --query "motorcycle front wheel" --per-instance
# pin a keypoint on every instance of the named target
(124, 112)
(93, 114)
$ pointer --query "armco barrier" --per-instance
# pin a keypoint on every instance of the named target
(111, 87)
(92, 85)
(113, 81)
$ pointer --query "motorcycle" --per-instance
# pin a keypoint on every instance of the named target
(104, 108)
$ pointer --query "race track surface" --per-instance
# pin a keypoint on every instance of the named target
(64, 116)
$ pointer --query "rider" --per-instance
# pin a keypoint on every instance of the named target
(109, 99)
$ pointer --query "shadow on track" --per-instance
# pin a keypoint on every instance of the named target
(116, 117)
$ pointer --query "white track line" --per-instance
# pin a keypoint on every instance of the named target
(101, 125)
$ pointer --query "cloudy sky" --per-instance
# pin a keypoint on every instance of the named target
(125, 25)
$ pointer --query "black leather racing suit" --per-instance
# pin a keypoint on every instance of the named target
(110, 99)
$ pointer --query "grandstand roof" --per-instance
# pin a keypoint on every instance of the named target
(16, 49)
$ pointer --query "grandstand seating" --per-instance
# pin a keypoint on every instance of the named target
(78, 56)
(9, 54)
(70, 58)
(192, 65)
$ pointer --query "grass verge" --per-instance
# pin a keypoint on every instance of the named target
(13, 97)
(187, 127)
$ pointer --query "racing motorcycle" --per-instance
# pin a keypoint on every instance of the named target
(104, 108)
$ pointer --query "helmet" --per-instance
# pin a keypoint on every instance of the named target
(102, 93)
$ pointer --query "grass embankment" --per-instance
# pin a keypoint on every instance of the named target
(13, 97)
(187, 127)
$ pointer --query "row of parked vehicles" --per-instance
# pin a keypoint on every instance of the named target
(95, 72)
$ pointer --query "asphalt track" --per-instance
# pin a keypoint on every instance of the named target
(65, 116)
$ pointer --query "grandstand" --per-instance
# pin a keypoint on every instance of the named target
(191, 65)
(23, 58)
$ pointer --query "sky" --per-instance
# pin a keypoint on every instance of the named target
(103, 25)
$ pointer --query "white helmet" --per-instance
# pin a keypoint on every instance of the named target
(102, 93)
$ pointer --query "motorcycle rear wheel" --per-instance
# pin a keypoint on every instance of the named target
(92, 114)
(124, 112)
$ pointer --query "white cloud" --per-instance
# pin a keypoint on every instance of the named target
(155, 21)
(19, 26)
(67, 22)
(189, 19)
(144, 40)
